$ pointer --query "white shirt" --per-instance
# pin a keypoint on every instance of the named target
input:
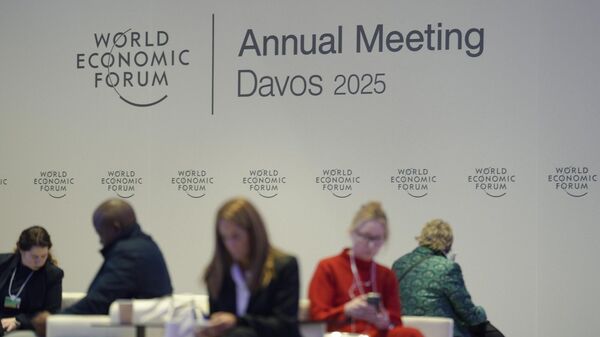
(242, 293)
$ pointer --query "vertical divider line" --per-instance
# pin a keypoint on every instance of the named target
(212, 85)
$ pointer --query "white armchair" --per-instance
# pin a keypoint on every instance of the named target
(85, 325)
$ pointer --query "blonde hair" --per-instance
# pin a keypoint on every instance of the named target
(369, 212)
(437, 235)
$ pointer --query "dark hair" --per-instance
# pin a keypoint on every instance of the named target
(35, 236)
(241, 212)
(114, 210)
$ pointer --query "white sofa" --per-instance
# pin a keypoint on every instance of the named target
(100, 325)
(430, 326)
(82, 325)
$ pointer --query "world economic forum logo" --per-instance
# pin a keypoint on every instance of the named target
(122, 182)
(193, 182)
(575, 181)
(414, 181)
(54, 182)
(493, 181)
(265, 182)
(339, 182)
(135, 64)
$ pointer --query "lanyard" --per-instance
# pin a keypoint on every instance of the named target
(22, 286)
(356, 275)
(359, 284)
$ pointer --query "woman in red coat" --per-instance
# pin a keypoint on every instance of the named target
(353, 293)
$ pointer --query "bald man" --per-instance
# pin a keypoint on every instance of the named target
(133, 266)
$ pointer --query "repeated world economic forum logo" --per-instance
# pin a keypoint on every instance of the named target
(493, 181)
(193, 182)
(575, 181)
(339, 182)
(266, 182)
(55, 183)
(416, 182)
(123, 183)
(130, 62)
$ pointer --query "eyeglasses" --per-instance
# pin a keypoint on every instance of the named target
(370, 239)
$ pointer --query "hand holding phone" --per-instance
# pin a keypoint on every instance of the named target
(374, 300)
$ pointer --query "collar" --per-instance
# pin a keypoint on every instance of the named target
(131, 231)
(360, 264)
(20, 264)
(427, 251)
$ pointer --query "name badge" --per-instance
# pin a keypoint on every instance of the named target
(12, 302)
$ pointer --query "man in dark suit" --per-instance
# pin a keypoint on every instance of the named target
(133, 266)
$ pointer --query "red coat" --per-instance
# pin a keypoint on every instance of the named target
(329, 291)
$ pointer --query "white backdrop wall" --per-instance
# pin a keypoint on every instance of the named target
(517, 100)
(568, 233)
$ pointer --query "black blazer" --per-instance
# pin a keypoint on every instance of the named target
(42, 293)
(273, 310)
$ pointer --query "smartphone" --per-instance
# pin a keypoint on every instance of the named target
(374, 299)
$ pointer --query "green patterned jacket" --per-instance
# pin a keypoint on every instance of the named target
(436, 288)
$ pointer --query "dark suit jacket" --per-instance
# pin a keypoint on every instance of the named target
(43, 292)
(133, 267)
(272, 310)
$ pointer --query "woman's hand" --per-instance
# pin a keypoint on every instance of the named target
(217, 325)
(39, 323)
(358, 308)
(382, 320)
(9, 324)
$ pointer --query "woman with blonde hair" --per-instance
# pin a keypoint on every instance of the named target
(431, 283)
(253, 287)
(353, 293)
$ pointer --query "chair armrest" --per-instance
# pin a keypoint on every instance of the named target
(84, 326)
(430, 326)
(69, 298)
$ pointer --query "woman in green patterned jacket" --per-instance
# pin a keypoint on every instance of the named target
(432, 284)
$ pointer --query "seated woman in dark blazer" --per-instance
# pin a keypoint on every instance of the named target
(253, 287)
(30, 281)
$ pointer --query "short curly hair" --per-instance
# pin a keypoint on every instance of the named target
(437, 235)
